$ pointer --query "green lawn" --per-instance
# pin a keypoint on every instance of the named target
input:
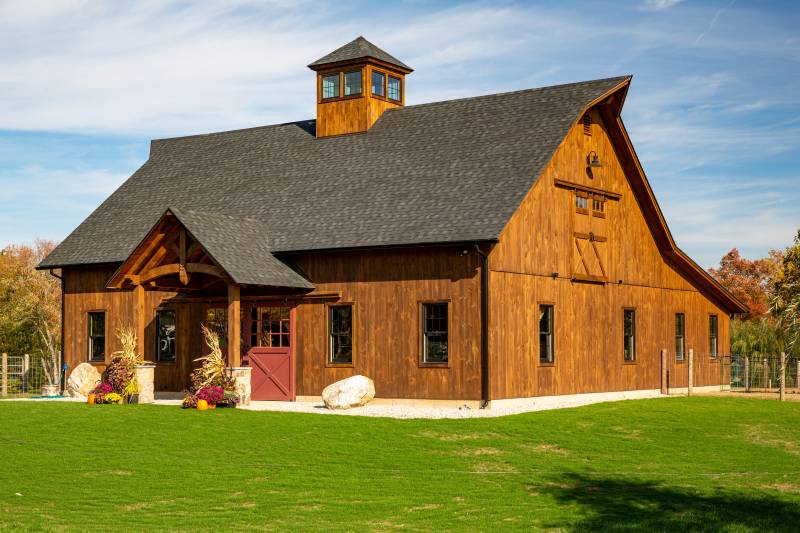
(663, 464)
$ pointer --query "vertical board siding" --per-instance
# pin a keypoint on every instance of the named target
(85, 291)
(538, 242)
(386, 289)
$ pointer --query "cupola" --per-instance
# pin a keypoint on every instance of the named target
(355, 85)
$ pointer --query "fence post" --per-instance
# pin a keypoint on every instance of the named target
(26, 368)
(4, 375)
(765, 372)
(783, 377)
(747, 374)
(721, 372)
(797, 375)
(690, 380)
(664, 388)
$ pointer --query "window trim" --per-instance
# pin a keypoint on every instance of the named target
(354, 309)
(341, 72)
(539, 361)
(675, 337)
(715, 359)
(635, 360)
(399, 79)
(156, 339)
(421, 362)
(385, 84)
(89, 359)
(360, 93)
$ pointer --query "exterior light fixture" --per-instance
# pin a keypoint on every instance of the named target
(592, 160)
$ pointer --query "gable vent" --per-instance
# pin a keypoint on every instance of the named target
(587, 124)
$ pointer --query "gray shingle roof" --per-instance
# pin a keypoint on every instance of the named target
(358, 48)
(450, 171)
(240, 246)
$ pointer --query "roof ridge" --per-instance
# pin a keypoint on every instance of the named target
(424, 104)
(518, 91)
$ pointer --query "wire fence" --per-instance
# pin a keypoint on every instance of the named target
(26, 376)
(763, 372)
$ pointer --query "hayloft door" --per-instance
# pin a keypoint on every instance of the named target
(270, 337)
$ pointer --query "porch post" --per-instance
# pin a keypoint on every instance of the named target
(234, 325)
(140, 321)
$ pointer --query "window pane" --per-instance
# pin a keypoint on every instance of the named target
(395, 92)
(629, 333)
(378, 80)
(712, 336)
(165, 335)
(546, 334)
(352, 83)
(330, 86)
(679, 336)
(97, 336)
(434, 324)
(340, 331)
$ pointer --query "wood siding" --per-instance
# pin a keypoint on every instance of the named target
(386, 289)
(539, 242)
(85, 291)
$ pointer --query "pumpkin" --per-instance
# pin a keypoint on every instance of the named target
(91, 399)
(202, 405)
(212, 406)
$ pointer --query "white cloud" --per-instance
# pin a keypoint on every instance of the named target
(658, 5)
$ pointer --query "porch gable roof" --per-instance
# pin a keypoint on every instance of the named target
(237, 245)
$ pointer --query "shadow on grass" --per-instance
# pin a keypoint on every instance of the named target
(613, 504)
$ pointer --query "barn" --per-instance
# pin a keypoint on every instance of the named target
(474, 250)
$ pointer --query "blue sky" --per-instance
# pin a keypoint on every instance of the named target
(713, 111)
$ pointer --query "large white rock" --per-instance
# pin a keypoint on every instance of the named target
(82, 380)
(354, 391)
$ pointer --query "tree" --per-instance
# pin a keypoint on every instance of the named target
(30, 305)
(750, 281)
(786, 295)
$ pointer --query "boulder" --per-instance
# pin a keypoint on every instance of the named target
(82, 380)
(354, 391)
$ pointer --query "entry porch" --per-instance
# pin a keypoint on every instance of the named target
(217, 271)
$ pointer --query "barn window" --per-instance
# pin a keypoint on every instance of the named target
(330, 86)
(378, 83)
(340, 334)
(434, 333)
(680, 336)
(581, 200)
(165, 335)
(713, 342)
(587, 124)
(395, 91)
(629, 335)
(97, 336)
(598, 204)
(352, 83)
(546, 355)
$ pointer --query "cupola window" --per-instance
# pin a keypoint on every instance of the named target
(352, 83)
(395, 89)
(378, 83)
(330, 86)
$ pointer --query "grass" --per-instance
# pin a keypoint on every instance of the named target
(663, 464)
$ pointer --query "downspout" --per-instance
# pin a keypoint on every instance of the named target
(61, 362)
(484, 327)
